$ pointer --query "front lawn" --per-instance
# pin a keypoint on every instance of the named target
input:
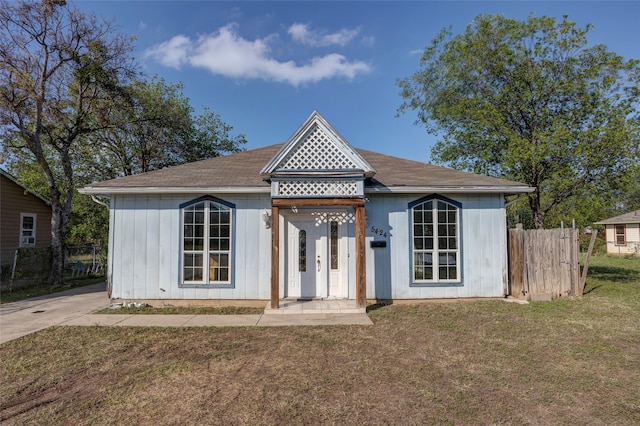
(571, 361)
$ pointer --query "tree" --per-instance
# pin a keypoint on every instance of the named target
(529, 101)
(156, 129)
(60, 71)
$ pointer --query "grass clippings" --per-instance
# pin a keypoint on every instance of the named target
(570, 361)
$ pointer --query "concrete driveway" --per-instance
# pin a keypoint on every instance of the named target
(18, 319)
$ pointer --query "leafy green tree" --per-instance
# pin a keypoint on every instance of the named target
(529, 101)
(155, 129)
(59, 70)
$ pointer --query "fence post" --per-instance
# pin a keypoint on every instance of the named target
(516, 262)
(583, 278)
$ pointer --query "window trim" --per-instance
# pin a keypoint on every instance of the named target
(232, 232)
(33, 231)
(624, 235)
(436, 282)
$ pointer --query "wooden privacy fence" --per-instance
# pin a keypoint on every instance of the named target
(544, 263)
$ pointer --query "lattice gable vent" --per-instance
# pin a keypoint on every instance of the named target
(316, 151)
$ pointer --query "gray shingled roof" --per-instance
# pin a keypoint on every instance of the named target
(242, 170)
(631, 217)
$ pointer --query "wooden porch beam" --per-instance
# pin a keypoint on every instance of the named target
(361, 275)
(275, 257)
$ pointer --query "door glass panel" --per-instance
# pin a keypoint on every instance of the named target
(302, 251)
(334, 245)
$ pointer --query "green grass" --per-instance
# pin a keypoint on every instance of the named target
(568, 361)
(41, 289)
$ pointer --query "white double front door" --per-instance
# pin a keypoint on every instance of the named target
(317, 257)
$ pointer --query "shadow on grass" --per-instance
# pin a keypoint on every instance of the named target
(613, 274)
(378, 305)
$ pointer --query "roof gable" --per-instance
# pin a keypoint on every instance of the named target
(316, 148)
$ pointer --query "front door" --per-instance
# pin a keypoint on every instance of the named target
(316, 258)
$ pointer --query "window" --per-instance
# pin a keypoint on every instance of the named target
(207, 242)
(435, 232)
(27, 230)
(620, 235)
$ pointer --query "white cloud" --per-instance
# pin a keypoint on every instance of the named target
(302, 34)
(227, 53)
(172, 53)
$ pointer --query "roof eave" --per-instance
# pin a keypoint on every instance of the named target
(507, 190)
(93, 190)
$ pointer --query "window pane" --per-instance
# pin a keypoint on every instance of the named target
(214, 244)
(224, 230)
(27, 222)
(428, 243)
(224, 244)
(188, 217)
(214, 217)
(224, 274)
(442, 243)
(418, 243)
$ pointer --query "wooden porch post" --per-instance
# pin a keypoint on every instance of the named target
(275, 257)
(361, 281)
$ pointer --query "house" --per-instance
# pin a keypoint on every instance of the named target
(310, 218)
(623, 233)
(25, 217)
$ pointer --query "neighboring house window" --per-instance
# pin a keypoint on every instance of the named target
(27, 230)
(620, 238)
(435, 232)
(207, 241)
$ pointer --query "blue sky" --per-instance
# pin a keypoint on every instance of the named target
(265, 66)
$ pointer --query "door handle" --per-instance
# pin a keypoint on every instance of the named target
(318, 262)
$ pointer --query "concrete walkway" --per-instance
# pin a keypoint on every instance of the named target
(74, 308)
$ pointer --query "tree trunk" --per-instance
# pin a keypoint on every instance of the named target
(538, 214)
(56, 275)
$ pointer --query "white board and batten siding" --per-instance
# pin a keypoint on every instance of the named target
(483, 240)
(145, 241)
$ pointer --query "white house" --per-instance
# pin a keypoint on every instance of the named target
(310, 218)
(623, 233)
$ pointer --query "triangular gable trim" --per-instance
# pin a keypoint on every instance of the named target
(285, 163)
